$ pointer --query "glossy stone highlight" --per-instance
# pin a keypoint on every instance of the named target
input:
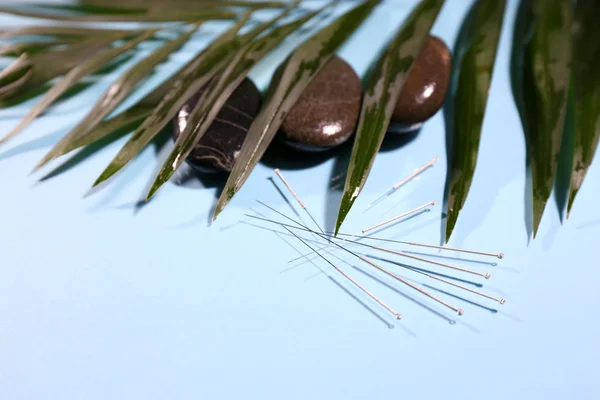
(425, 89)
(326, 113)
(221, 144)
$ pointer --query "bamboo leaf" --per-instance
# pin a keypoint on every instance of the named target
(74, 76)
(31, 71)
(586, 85)
(191, 78)
(183, 4)
(120, 89)
(17, 49)
(213, 99)
(475, 69)
(149, 15)
(296, 73)
(136, 113)
(546, 70)
(61, 31)
(381, 95)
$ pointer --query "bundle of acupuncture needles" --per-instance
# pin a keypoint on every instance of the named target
(344, 240)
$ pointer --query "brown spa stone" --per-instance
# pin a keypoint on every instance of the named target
(425, 89)
(326, 113)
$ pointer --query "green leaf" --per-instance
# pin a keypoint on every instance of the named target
(586, 85)
(381, 95)
(191, 79)
(287, 86)
(120, 89)
(475, 69)
(17, 49)
(219, 90)
(184, 4)
(149, 15)
(546, 72)
(29, 72)
(74, 76)
(61, 31)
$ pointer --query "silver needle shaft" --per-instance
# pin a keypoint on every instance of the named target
(404, 181)
(415, 287)
(400, 253)
(300, 202)
(358, 285)
(431, 203)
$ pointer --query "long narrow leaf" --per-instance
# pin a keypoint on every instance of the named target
(381, 95)
(150, 15)
(213, 99)
(61, 31)
(136, 113)
(17, 49)
(475, 69)
(40, 68)
(192, 78)
(185, 4)
(586, 84)
(120, 89)
(545, 90)
(74, 76)
(297, 72)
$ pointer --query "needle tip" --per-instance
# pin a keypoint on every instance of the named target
(433, 202)
(502, 301)
(487, 276)
(501, 256)
(398, 316)
(460, 311)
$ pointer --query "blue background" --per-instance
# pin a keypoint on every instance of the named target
(100, 299)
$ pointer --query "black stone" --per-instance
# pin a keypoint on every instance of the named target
(220, 145)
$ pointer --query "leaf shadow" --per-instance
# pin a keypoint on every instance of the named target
(88, 151)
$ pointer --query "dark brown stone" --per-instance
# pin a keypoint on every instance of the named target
(220, 145)
(425, 89)
(326, 113)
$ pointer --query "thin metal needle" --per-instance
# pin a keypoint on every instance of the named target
(403, 182)
(477, 292)
(431, 203)
(456, 309)
(358, 285)
(399, 253)
(481, 253)
(287, 185)
(378, 239)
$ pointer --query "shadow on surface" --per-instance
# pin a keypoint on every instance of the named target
(419, 303)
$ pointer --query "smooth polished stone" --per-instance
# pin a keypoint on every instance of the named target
(326, 113)
(425, 89)
(221, 144)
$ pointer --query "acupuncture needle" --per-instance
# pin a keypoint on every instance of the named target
(300, 202)
(285, 226)
(373, 264)
(413, 211)
(403, 182)
(358, 285)
(378, 239)
(399, 253)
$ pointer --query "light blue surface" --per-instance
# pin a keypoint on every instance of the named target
(100, 301)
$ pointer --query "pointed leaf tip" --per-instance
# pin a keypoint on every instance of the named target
(383, 87)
